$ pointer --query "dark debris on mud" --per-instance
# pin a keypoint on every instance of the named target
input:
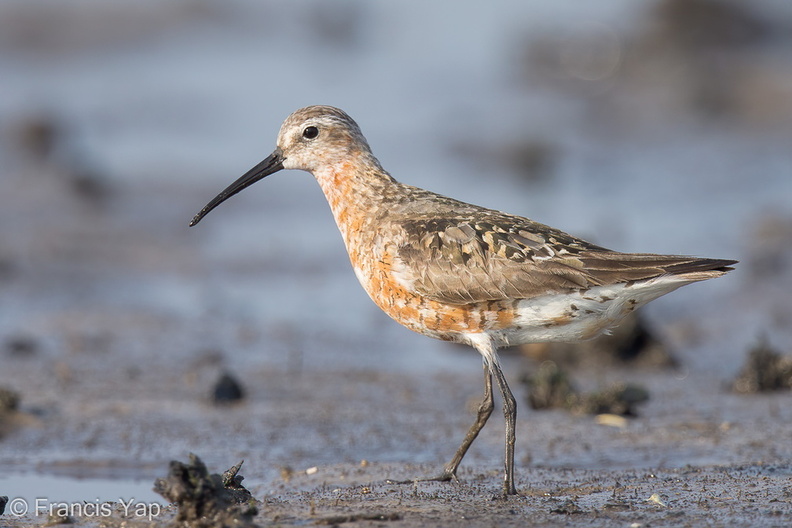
(227, 389)
(9, 403)
(21, 346)
(765, 369)
(204, 500)
(551, 388)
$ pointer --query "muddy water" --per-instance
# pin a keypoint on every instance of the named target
(116, 319)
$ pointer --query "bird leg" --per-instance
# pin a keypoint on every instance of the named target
(510, 414)
(483, 414)
(484, 411)
(491, 368)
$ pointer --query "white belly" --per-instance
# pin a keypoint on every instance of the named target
(581, 315)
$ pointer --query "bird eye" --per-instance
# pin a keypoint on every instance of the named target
(310, 132)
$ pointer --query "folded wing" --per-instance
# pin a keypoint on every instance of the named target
(499, 256)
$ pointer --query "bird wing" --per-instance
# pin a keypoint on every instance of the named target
(496, 256)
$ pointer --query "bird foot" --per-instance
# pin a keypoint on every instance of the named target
(447, 476)
(443, 476)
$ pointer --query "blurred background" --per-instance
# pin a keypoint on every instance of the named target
(659, 126)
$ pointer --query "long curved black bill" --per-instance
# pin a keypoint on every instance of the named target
(273, 163)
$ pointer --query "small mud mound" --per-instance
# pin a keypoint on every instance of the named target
(9, 403)
(620, 399)
(765, 370)
(551, 388)
(204, 500)
(227, 390)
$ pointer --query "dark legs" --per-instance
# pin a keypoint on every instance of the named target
(484, 412)
(491, 368)
(510, 413)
